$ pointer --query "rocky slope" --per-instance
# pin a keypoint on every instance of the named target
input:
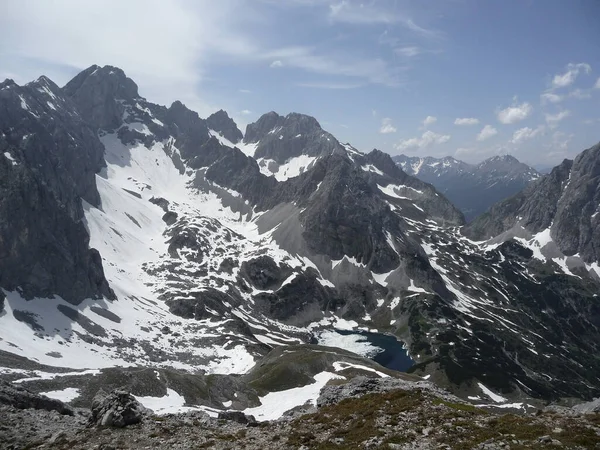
(213, 254)
(472, 188)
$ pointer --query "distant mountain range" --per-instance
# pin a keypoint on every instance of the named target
(472, 188)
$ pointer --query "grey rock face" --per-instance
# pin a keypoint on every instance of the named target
(264, 273)
(21, 398)
(54, 156)
(117, 409)
(472, 188)
(566, 200)
(223, 124)
(281, 138)
(189, 130)
(97, 91)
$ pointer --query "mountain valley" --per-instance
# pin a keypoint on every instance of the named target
(209, 270)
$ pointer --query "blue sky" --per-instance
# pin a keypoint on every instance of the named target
(467, 78)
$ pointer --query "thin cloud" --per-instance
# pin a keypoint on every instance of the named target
(570, 75)
(551, 97)
(372, 70)
(427, 139)
(355, 13)
(386, 126)
(408, 52)
(318, 85)
(429, 120)
(553, 119)
(486, 132)
(466, 121)
(597, 85)
(526, 133)
(275, 64)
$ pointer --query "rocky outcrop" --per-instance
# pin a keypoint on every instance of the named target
(359, 386)
(225, 126)
(21, 398)
(117, 409)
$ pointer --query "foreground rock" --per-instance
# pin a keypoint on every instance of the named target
(117, 409)
(362, 414)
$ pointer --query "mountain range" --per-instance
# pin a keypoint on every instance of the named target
(472, 188)
(135, 234)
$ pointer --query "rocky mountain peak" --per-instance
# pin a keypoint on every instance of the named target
(301, 123)
(385, 163)
(266, 123)
(8, 83)
(225, 126)
(98, 93)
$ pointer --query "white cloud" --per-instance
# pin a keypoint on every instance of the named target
(526, 133)
(386, 126)
(244, 91)
(570, 75)
(427, 139)
(466, 121)
(166, 65)
(276, 63)
(245, 112)
(551, 97)
(195, 37)
(597, 85)
(515, 113)
(486, 132)
(429, 120)
(553, 119)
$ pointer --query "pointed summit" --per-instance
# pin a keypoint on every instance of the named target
(225, 126)
(97, 92)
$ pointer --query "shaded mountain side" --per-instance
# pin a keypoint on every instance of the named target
(565, 201)
(48, 164)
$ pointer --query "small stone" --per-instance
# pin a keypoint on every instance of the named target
(59, 436)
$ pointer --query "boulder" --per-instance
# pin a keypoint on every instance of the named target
(116, 409)
(238, 416)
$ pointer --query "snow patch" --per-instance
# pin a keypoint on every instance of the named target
(275, 404)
